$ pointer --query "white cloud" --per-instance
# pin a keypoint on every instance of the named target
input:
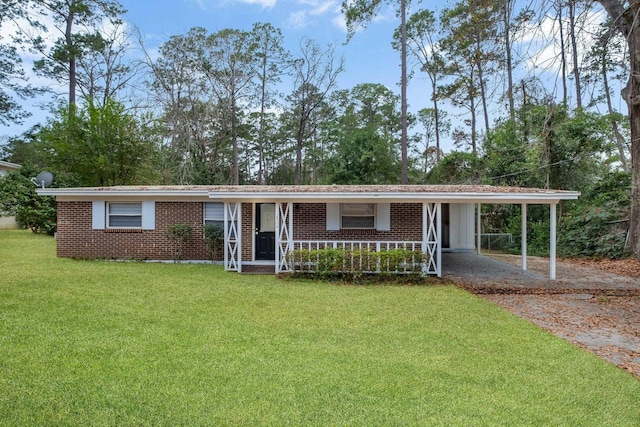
(266, 4)
(340, 22)
(386, 15)
(318, 8)
(313, 11)
(298, 19)
(544, 40)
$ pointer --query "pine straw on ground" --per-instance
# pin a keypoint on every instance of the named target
(605, 325)
(629, 267)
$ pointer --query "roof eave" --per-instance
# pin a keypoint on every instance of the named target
(78, 192)
(469, 197)
(10, 165)
(311, 197)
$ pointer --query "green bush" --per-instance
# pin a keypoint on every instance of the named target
(596, 224)
(597, 232)
(38, 216)
(214, 238)
(18, 197)
(178, 234)
(328, 262)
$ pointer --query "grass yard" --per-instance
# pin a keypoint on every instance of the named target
(106, 343)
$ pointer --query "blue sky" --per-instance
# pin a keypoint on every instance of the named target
(369, 56)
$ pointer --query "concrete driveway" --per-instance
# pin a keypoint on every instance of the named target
(500, 273)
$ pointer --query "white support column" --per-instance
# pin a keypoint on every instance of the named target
(552, 243)
(284, 236)
(439, 239)
(232, 237)
(239, 234)
(429, 238)
(523, 235)
(479, 229)
(425, 235)
(278, 226)
(425, 218)
(225, 233)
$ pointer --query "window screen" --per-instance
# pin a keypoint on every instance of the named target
(358, 215)
(124, 215)
(214, 213)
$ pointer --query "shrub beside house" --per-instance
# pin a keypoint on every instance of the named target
(7, 222)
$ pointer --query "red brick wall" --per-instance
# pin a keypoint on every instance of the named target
(76, 239)
(310, 223)
(247, 231)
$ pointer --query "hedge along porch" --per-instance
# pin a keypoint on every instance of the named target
(263, 224)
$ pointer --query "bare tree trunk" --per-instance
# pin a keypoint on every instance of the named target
(563, 57)
(574, 49)
(403, 90)
(546, 149)
(72, 56)
(474, 143)
(261, 131)
(483, 98)
(631, 94)
(625, 20)
(620, 142)
(436, 119)
(507, 46)
(235, 172)
(426, 153)
(297, 172)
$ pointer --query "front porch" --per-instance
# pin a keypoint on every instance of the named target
(285, 243)
(431, 219)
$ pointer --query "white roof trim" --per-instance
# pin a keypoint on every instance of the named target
(535, 196)
(384, 196)
(133, 192)
(9, 165)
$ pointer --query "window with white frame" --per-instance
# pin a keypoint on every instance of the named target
(358, 215)
(214, 214)
(124, 215)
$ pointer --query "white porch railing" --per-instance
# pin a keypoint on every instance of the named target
(374, 246)
(357, 256)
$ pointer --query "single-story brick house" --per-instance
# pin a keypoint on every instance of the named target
(264, 224)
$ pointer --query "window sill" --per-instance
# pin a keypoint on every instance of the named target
(358, 231)
(123, 230)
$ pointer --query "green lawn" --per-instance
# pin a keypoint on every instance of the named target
(106, 343)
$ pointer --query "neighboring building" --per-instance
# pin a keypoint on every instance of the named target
(7, 222)
(6, 167)
(263, 224)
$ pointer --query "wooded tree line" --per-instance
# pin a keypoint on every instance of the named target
(236, 107)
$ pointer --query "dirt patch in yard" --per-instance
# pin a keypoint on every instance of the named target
(595, 304)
